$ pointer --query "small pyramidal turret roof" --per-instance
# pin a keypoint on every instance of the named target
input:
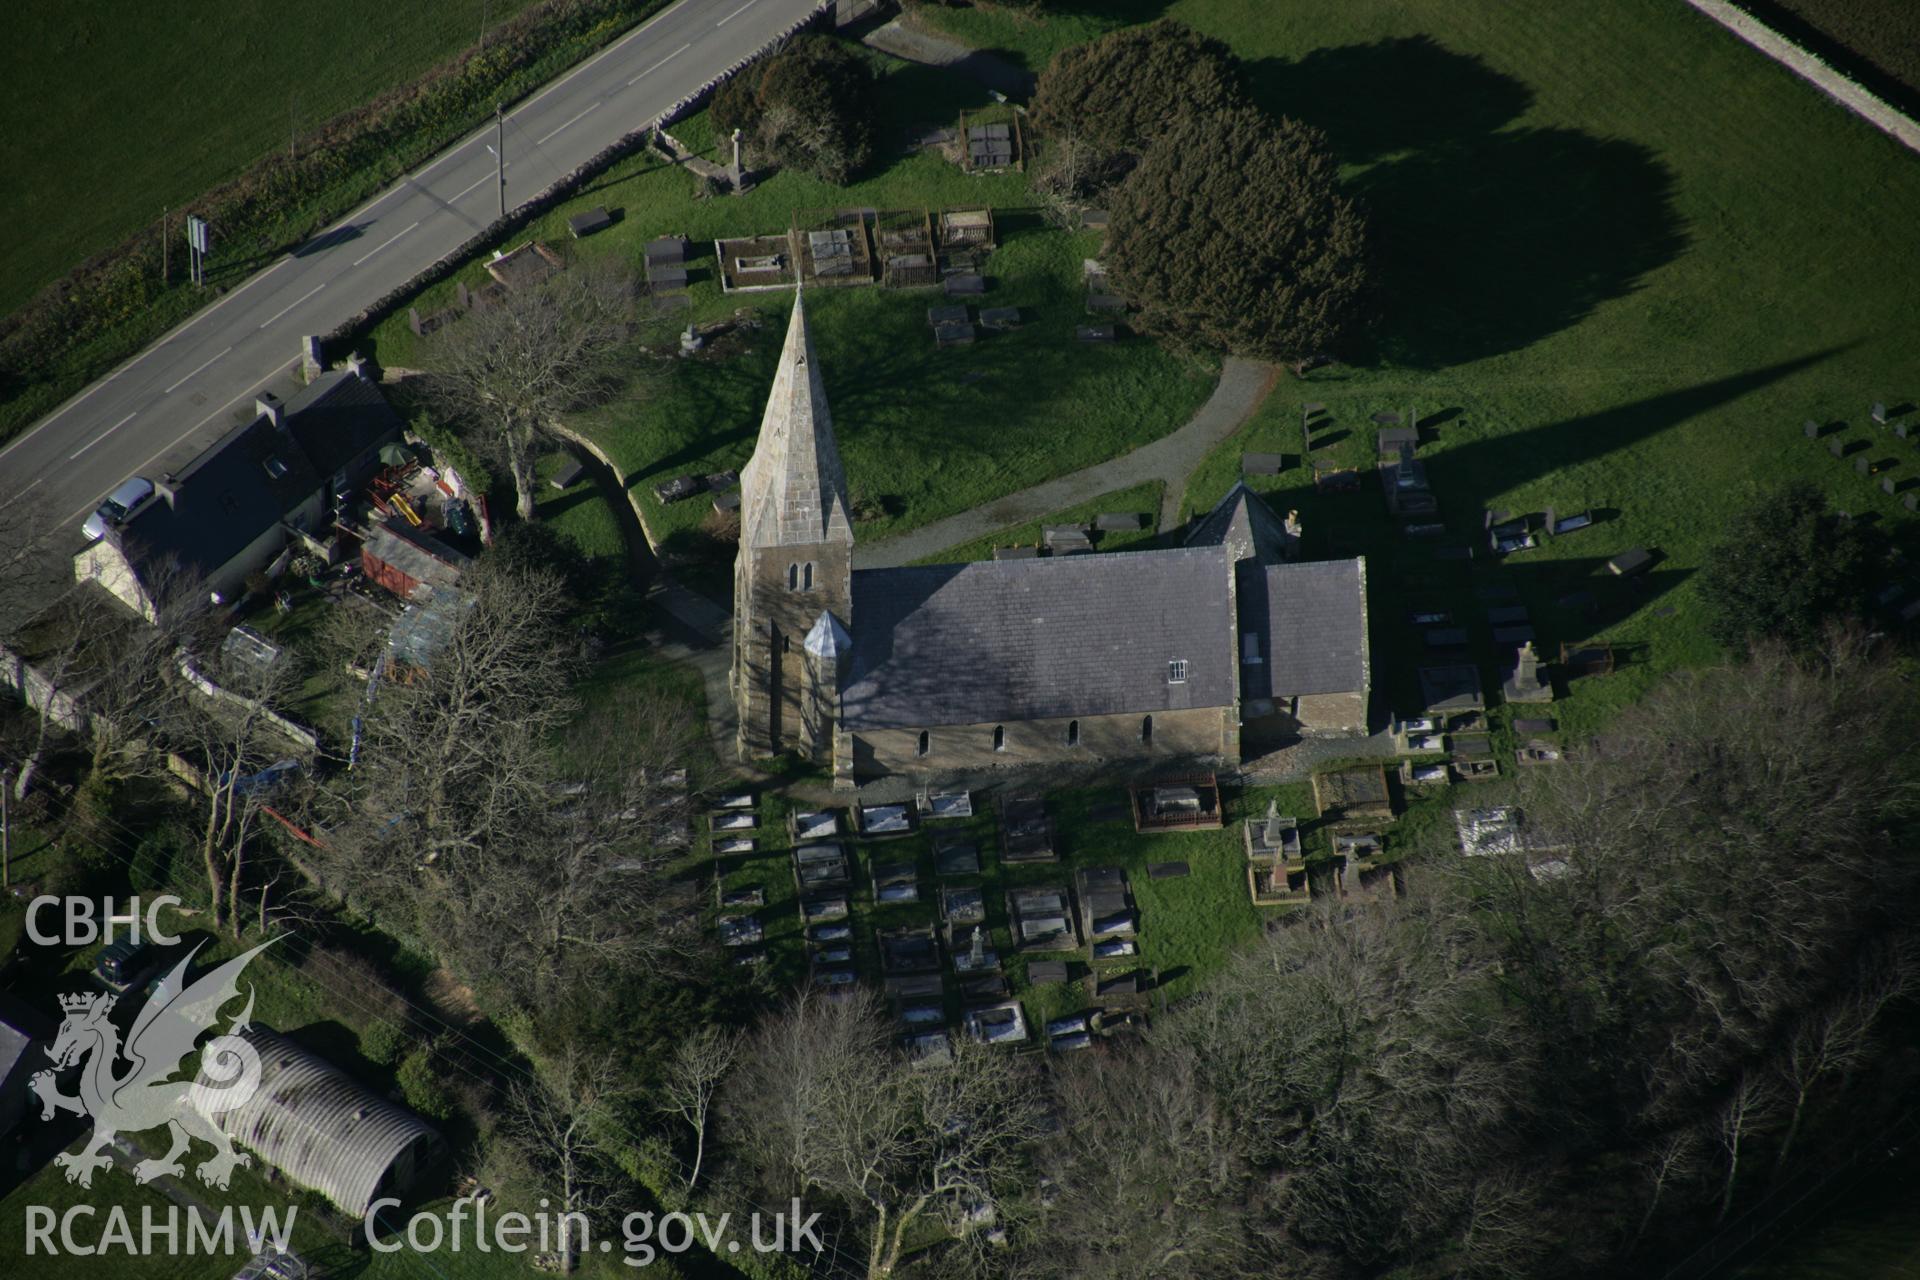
(793, 490)
(1244, 524)
(828, 639)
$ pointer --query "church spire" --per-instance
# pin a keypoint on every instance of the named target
(793, 490)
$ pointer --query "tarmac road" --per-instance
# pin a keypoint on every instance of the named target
(155, 412)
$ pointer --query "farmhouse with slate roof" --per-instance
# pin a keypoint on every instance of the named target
(920, 671)
(236, 506)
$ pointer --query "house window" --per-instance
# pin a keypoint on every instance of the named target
(925, 742)
(1146, 730)
(1073, 733)
(275, 468)
(1177, 671)
(999, 737)
(806, 577)
(793, 576)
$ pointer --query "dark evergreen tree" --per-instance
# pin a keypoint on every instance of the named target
(809, 107)
(1233, 233)
(1786, 569)
(1122, 92)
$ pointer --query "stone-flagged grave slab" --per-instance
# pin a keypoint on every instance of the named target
(1167, 870)
(1043, 972)
(955, 854)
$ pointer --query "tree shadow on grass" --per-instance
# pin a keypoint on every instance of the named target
(1489, 236)
(1391, 96)
(1474, 473)
(1487, 246)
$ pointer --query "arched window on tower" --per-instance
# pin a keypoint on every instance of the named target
(999, 737)
(793, 576)
(1073, 733)
(926, 741)
(1146, 730)
(806, 577)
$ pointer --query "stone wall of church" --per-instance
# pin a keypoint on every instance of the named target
(1332, 713)
(790, 588)
(1201, 734)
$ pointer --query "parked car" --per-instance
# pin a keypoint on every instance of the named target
(124, 964)
(119, 505)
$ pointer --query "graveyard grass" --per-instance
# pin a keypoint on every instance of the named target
(1188, 927)
(924, 433)
(1142, 500)
(1625, 258)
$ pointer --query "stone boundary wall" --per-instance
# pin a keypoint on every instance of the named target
(1877, 112)
(19, 677)
(574, 438)
(564, 186)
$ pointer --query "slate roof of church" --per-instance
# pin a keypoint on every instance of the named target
(1312, 624)
(1244, 524)
(1013, 640)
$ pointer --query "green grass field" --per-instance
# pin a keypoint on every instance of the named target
(1625, 258)
(1142, 500)
(139, 107)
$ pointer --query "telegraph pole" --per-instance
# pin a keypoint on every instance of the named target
(500, 154)
(6, 829)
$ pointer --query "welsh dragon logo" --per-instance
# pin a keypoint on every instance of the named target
(144, 1095)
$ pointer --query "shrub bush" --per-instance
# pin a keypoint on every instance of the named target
(423, 1085)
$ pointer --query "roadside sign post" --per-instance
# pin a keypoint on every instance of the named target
(197, 243)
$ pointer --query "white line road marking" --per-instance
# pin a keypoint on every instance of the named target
(96, 440)
(291, 305)
(202, 369)
(131, 361)
(383, 244)
(736, 13)
(656, 66)
(540, 142)
(603, 55)
(464, 190)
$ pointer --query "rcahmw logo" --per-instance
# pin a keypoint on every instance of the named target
(129, 1087)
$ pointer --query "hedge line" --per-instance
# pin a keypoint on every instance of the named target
(1874, 42)
(76, 329)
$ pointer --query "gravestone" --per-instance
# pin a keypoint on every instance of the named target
(1879, 413)
(1863, 465)
(1889, 486)
(1810, 429)
(1838, 448)
(1911, 502)
(1528, 683)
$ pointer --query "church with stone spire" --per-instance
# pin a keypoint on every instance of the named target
(1178, 654)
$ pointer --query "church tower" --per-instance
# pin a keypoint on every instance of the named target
(796, 559)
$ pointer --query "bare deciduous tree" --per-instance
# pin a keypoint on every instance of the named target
(1151, 1173)
(559, 1121)
(511, 367)
(461, 824)
(822, 1104)
(693, 1076)
(225, 719)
